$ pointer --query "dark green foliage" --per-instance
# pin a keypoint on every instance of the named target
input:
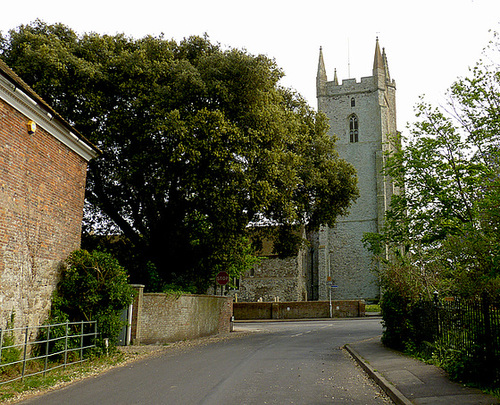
(10, 354)
(93, 286)
(397, 328)
(198, 142)
(173, 289)
(464, 364)
(442, 232)
(287, 242)
(450, 334)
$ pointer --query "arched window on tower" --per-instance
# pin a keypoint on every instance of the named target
(353, 102)
(353, 128)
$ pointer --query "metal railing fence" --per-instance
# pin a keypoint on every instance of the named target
(55, 346)
(468, 326)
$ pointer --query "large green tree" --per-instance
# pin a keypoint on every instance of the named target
(198, 142)
(443, 230)
(442, 234)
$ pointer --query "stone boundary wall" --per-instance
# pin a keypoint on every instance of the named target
(164, 318)
(298, 310)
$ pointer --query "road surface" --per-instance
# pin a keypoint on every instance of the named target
(272, 363)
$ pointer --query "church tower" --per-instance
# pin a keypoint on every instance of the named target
(363, 118)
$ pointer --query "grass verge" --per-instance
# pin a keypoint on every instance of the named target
(372, 308)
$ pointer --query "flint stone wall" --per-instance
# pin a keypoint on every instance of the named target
(275, 278)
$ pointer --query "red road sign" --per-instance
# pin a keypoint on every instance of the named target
(222, 278)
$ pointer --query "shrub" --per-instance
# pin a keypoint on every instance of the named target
(394, 310)
(93, 286)
(10, 354)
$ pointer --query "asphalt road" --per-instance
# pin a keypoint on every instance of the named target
(278, 363)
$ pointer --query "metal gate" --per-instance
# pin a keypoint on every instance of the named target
(125, 332)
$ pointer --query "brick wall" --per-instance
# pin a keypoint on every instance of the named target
(162, 318)
(298, 310)
(42, 185)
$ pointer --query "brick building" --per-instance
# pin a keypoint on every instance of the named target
(43, 163)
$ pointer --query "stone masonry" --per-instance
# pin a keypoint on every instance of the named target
(275, 278)
(363, 118)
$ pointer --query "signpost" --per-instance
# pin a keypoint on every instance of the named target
(222, 279)
(330, 286)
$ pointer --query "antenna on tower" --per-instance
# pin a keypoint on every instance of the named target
(348, 60)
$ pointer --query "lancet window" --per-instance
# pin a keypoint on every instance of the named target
(353, 128)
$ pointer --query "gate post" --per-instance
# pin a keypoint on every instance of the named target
(135, 324)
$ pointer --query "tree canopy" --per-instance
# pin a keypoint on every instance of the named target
(443, 230)
(198, 142)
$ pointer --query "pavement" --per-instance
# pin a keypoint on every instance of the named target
(409, 381)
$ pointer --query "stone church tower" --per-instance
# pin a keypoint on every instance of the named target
(363, 118)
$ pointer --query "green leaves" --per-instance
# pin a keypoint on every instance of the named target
(443, 230)
(93, 286)
(198, 142)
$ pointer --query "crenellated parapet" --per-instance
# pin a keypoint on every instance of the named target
(362, 117)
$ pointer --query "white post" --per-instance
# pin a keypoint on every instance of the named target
(330, 294)
(129, 325)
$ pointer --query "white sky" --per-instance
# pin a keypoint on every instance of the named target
(428, 43)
